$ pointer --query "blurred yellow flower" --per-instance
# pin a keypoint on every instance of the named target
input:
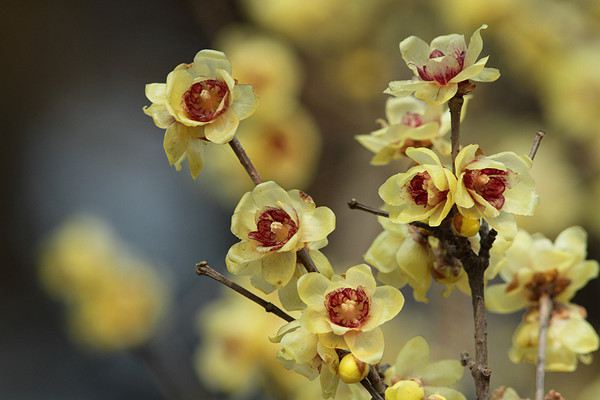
(440, 66)
(423, 193)
(533, 266)
(570, 339)
(235, 357)
(505, 393)
(284, 146)
(494, 187)
(199, 103)
(359, 70)
(114, 300)
(267, 63)
(410, 123)
(413, 375)
(273, 225)
(346, 312)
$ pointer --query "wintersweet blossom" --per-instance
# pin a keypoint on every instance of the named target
(570, 339)
(440, 66)
(495, 187)
(430, 379)
(423, 193)
(273, 224)
(303, 352)
(409, 123)
(346, 312)
(533, 266)
(199, 103)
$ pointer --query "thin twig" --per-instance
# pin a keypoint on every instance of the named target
(537, 140)
(455, 105)
(239, 151)
(161, 374)
(375, 395)
(203, 268)
(306, 260)
(355, 205)
(376, 380)
(545, 312)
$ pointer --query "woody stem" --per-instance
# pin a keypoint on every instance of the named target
(545, 312)
(455, 105)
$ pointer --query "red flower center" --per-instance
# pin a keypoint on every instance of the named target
(412, 119)
(423, 191)
(274, 228)
(489, 183)
(348, 307)
(204, 101)
(443, 76)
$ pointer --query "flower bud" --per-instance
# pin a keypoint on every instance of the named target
(465, 226)
(405, 390)
(352, 370)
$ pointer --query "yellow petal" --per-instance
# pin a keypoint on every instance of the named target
(222, 130)
(156, 92)
(361, 275)
(318, 224)
(316, 321)
(240, 255)
(386, 303)
(415, 52)
(441, 373)
(195, 156)
(470, 71)
(382, 253)
(487, 75)
(366, 346)
(244, 101)
(422, 155)
(160, 115)
(176, 141)
(312, 288)
(278, 268)
(475, 46)
(465, 156)
(413, 355)
(207, 62)
(499, 301)
(435, 94)
(405, 88)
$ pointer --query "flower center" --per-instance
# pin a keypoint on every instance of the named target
(450, 70)
(489, 183)
(274, 228)
(423, 191)
(348, 307)
(412, 119)
(549, 282)
(204, 101)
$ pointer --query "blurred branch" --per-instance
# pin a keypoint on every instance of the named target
(545, 304)
(537, 140)
(241, 154)
(203, 268)
(161, 374)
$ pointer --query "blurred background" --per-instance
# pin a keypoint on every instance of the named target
(85, 178)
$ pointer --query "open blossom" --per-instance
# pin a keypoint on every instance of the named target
(273, 225)
(410, 123)
(413, 374)
(533, 266)
(346, 312)
(199, 103)
(440, 66)
(494, 187)
(423, 193)
(570, 339)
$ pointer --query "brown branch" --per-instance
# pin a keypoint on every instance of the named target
(307, 260)
(239, 151)
(545, 303)
(355, 205)
(376, 380)
(455, 105)
(203, 268)
(537, 140)
(158, 370)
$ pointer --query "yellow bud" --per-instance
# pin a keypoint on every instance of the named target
(405, 390)
(352, 370)
(465, 226)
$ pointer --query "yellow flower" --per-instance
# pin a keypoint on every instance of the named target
(570, 339)
(303, 352)
(410, 123)
(505, 393)
(413, 365)
(273, 225)
(199, 103)
(423, 193)
(235, 351)
(533, 265)
(269, 64)
(284, 146)
(494, 188)
(114, 300)
(440, 66)
(346, 312)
